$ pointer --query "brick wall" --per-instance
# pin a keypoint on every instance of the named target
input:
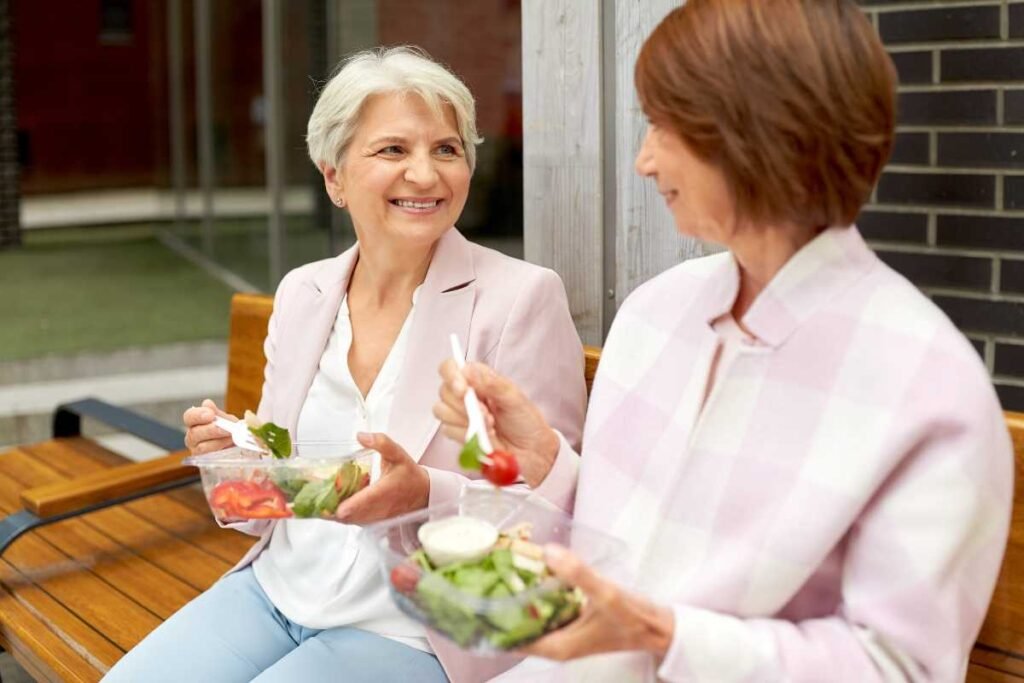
(949, 210)
(9, 229)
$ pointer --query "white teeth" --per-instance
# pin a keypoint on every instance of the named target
(416, 205)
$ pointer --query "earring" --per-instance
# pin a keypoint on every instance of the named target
(339, 201)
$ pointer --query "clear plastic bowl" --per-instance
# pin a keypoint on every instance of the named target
(242, 485)
(488, 625)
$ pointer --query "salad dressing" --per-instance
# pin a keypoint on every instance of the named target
(457, 539)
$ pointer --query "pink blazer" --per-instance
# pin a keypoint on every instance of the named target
(509, 314)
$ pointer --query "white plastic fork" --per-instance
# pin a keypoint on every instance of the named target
(240, 434)
(476, 426)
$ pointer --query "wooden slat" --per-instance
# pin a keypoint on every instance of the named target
(47, 655)
(63, 496)
(1003, 629)
(174, 551)
(1006, 662)
(591, 357)
(977, 673)
(250, 314)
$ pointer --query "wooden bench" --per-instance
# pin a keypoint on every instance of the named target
(107, 548)
(110, 548)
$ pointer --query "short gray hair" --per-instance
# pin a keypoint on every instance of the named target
(379, 71)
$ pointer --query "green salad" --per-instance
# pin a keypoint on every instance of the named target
(514, 598)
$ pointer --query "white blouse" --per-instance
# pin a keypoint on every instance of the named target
(319, 573)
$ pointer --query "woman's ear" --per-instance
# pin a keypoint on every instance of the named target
(333, 184)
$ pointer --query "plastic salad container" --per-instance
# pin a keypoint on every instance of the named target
(242, 485)
(497, 599)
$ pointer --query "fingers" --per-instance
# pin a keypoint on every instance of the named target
(353, 509)
(450, 417)
(389, 450)
(207, 403)
(489, 385)
(205, 446)
(569, 568)
(551, 646)
(452, 376)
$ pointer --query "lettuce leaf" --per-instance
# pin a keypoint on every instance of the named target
(471, 454)
(276, 439)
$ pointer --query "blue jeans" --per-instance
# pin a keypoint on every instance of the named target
(232, 632)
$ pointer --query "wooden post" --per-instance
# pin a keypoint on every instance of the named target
(587, 214)
(646, 239)
(10, 222)
(562, 152)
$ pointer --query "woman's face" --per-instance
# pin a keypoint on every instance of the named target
(404, 177)
(694, 191)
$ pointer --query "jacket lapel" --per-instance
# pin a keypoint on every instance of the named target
(444, 305)
(313, 313)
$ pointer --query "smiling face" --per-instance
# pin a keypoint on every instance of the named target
(404, 177)
(695, 192)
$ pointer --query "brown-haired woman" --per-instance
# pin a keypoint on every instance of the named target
(805, 457)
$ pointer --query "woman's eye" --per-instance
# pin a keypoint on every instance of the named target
(391, 150)
(448, 150)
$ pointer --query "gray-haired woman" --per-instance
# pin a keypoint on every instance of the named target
(351, 351)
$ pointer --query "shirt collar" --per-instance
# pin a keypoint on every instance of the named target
(818, 273)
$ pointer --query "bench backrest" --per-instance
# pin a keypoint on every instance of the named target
(1004, 625)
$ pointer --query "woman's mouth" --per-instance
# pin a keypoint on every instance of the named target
(418, 206)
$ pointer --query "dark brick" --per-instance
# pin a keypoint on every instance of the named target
(1009, 359)
(913, 67)
(979, 346)
(1011, 397)
(980, 315)
(1011, 276)
(938, 189)
(953, 107)
(940, 270)
(891, 226)
(987, 64)
(946, 23)
(985, 232)
(910, 148)
(1013, 105)
(990, 150)
(1013, 192)
(1017, 20)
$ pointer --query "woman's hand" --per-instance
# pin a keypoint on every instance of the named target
(201, 435)
(403, 486)
(513, 422)
(612, 620)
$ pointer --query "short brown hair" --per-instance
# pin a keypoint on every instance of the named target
(792, 99)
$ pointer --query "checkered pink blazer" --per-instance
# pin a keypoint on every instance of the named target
(837, 512)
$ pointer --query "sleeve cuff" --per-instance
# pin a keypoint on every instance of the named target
(559, 487)
(444, 485)
(251, 527)
(709, 646)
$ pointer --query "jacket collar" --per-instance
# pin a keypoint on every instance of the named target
(818, 273)
(444, 305)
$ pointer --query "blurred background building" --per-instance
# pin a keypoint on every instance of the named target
(152, 162)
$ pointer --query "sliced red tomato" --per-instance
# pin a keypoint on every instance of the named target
(502, 470)
(404, 578)
(249, 500)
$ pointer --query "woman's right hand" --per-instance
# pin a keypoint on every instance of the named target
(514, 423)
(201, 435)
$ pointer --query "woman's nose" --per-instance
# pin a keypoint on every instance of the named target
(421, 170)
(644, 163)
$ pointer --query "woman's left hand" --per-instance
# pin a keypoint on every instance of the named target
(611, 621)
(403, 486)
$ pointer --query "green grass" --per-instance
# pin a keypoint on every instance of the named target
(74, 290)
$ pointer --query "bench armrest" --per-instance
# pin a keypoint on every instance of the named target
(109, 486)
(67, 421)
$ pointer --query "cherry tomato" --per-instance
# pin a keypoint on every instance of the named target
(502, 470)
(248, 500)
(404, 578)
